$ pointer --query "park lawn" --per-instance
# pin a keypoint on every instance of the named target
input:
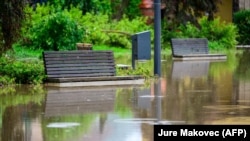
(20, 52)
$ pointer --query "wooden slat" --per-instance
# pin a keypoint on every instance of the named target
(72, 68)
(89, 79)
(79, 63)
(80, 72)
(183, 46)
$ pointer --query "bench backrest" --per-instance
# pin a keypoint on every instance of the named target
(186, 46)
(87, 63)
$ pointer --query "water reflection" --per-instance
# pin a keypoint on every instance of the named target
(20, 111)
(242, 84)
(197, 92)
(72, 101)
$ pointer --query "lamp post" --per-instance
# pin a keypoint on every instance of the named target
(157, 37)
(152, 9)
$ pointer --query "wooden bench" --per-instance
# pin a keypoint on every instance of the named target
(84, 68)
(192, 49)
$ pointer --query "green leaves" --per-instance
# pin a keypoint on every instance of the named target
(23, 72)
(242, 21)
(220, 35)
(52, 29)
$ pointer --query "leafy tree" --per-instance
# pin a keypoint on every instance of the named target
(125, 7)
(11, 16)
(96, 6)
(183, 11)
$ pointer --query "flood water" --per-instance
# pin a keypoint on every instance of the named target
(190, 92)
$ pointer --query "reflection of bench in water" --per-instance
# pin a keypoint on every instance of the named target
(243, 93)
(69, 101)
(192, 69)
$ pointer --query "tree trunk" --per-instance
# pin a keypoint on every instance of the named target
(119, 8)
(11, 15)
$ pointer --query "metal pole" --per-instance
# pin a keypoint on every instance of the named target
(157, 37)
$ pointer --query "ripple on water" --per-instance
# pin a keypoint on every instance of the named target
(226, 107)
(245, 120)
(62, 124)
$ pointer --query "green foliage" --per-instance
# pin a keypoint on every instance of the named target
(133, 9)
(94, 26)
(117, 50)
(189, 30)
(22, 52)
(218, 31)
(220, 35)
(96, 6)
(141, 68)
(6, 80)
(99, 29)
(22, 72)
(50, 30)
(242, 20)
(142, 71)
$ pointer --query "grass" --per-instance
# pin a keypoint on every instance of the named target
(114, 49)
(122, 56)
(20, 52)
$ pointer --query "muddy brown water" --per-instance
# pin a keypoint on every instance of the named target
(190, 92)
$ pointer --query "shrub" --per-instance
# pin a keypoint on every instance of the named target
(220, 35)
(53, 30)
(217, 31)
(22, 72)
(242, 20)
(99, 29)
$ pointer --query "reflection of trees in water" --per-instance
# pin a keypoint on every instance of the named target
(242, 79)
(186, 99)
(16, 121)
(15, 104)
(243, 68)
(12, 128)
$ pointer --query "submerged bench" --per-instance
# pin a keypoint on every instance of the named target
(84, 68)
(192, 49)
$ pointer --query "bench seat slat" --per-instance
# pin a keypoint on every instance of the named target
(80, 63)
(80, 75)
(82, 71)
(88, 79)
(61, 64)
(77, 52)
(80, 58)
(79, 68)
